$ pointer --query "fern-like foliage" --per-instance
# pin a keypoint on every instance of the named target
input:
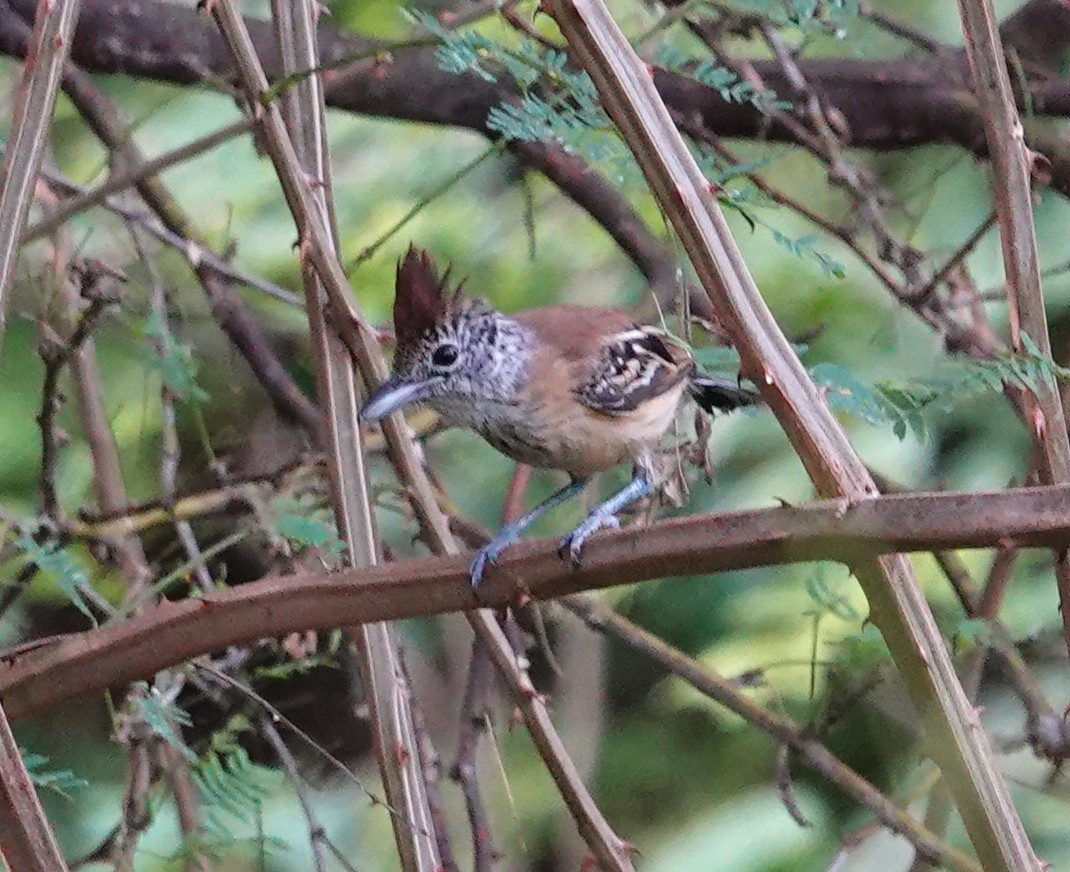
(804, 248)
(55, 561)
(829, 17)
(61, 781)
(459, 51)
(724, 81)
(560, 104)
(231, 786)
(902, 405)
(161, 715)
(172, 360)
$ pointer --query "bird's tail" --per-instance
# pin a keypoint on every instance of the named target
(719, 394)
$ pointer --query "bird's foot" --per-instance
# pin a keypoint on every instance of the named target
(489, 554)
(572, 544)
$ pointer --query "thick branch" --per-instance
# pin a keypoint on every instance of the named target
(885, 104)
(828, 530)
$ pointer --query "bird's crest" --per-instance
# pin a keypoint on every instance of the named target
(423, 297)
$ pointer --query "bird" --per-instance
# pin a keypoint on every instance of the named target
(575, 388)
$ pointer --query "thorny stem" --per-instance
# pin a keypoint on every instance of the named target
(898, 607)
(1012, 181)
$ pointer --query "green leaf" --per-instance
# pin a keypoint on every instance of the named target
(308, 532)
(64, 570)
(459, 51)
(847, 393)
(229, 783)
(173, 361)
(822, 588)
(61, 781)
(161, 716)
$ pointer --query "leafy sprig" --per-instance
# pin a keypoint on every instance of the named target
(61, 781)
(172, 360)
(67, 573)
(901, 405)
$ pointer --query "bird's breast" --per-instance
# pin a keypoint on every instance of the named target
(550, 428)
(569, 436)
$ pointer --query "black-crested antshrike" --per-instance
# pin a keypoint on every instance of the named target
(576, 388)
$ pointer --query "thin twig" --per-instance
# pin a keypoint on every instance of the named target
(444, 187)
(938, 812)
(56, 354)
(923, 293)
(187, 804)
(317, 835)
(431, 766)
(198, 256)
(808, 749)
(92, 285)
(465, 768)
(170, 450)
(298, 150)
(845, 235)
(899, 28)
(138, 739)
(26, 839)
(228, 309)
(220, 677)
(131, 176)
(606, 845)
(842, 171)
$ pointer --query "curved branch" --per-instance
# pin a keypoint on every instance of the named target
(840, 530)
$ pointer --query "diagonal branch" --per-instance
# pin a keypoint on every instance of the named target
(25, 837)
(26, 842)
(46, 53)
(898, 607)
(1012, 171)
(299, 152)
(813, 753)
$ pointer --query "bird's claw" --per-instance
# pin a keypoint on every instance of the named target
(488, 555)
(572, 544)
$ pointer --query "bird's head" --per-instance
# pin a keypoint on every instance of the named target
(453, 353)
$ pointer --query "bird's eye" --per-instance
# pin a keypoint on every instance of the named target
(444, 356)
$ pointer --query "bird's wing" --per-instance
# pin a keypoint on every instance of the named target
(634, 367)
(614, 365)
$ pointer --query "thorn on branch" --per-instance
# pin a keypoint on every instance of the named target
(786, 788)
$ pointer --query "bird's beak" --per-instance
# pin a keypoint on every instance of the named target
(394, 393)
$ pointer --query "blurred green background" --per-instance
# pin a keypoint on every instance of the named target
(690, 785)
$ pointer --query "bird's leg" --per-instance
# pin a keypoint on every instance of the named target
(510, 533)
(605, 515)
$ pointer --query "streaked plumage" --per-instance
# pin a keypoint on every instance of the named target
(576, 388)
